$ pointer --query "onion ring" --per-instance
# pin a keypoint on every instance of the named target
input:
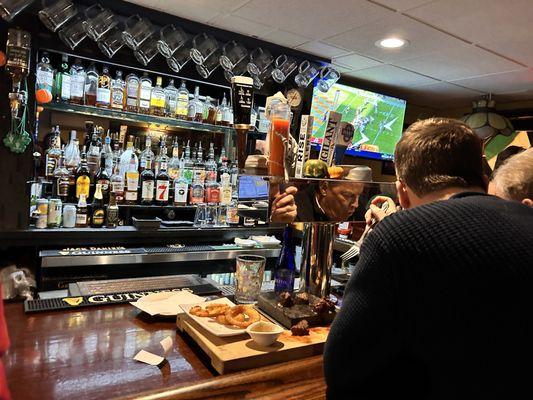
(210, 310)
(242, 316)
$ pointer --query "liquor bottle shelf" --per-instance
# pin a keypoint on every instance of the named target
(161, 122)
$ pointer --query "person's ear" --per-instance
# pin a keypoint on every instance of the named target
(403, 195)
(528, 202)
(323, 186)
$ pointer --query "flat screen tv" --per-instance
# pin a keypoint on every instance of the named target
(377, 119)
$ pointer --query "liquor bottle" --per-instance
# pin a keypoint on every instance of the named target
(199, 165)
(181, 190)
(174, 162)
(132, 93)
(117, 92)
(188, 165)
(89, 130)
(81, 212)
(158, 99)
(83, 178)
(44, 74)
(145, 93)
(198, 106)
(218, 115)
(72, 160)
(146, 154)
(126, 157)
(132, 181)
(91, 85)
(162, 185)
(285, 268)
(102, 178)
(171, 99)
(210, 110)
(98, 210)
(103, 94)
(147, 184)
(62, 81)
(53, 153)
(233, 213)
(222, 164)
(117, 182)
(61, 178)
(107, 151)
(205, 105)
(211, 165)
(212, 192)
(77, 82)
(224, 110)
(197, 191)
(93, 155)
(234, 178)
(162, 159)
(112, 212)
(225, 189)
(182, 105)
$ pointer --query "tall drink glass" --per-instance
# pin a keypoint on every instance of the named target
(278, 136)
(248, 278)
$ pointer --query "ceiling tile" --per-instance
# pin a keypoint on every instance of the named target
(441, 95)
(402, 5)
(501, 26)
(458, 62)
(322, 49)
(199, 11)
(313, 18)
(423, 39)
(284, 38)
(500, 83)
(240, 25)
(391, 75)
(355, 61)
(341, 68)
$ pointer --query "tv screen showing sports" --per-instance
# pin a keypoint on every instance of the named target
(377, 119)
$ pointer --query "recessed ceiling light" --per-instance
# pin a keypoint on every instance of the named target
(392, 43)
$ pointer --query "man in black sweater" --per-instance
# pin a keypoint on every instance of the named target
(439, 306)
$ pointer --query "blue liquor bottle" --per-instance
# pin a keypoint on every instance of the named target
(285, 269)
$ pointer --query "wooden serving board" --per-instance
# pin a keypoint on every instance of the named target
(237, 353)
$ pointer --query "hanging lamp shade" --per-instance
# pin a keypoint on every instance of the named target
(486, 122)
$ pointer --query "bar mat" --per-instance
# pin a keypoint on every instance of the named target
(64, 303)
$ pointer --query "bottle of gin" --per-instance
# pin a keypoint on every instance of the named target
(147, 154)
(117, 92)
(45, 74)
(182, 104)
(91, 85)
(171, 94)
(158, 99)
(145, 93)
(62, 81)
(188, 165)
(132, 93)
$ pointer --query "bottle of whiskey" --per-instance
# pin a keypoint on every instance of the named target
(62, 81)
(98, 210)
(53, 153)
(197, 191)
(162, 159)
(182, 104)
(112, 212)
(117, 182)
(126, 157)
(145, 93)
(211, 165)
(199, 165)
(147, 183)
(188, 165)
(91, 85)
(158, 99)
(77, 82)
(181, 190)
(132, 182)
(81, 212)
(162, 185)
(171, 94)
(117, 92)
(61, 179)
(225, 189)
(132, 93)
(103, 94)
(93, 155)
(83, 178)
(107, 151)
(102, 178)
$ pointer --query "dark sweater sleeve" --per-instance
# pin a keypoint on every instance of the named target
(365, 335)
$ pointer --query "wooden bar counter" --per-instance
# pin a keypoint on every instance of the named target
(88, 354)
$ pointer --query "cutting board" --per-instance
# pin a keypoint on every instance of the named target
(237, 353)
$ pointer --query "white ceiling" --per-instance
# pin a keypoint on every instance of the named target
(459, 49)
